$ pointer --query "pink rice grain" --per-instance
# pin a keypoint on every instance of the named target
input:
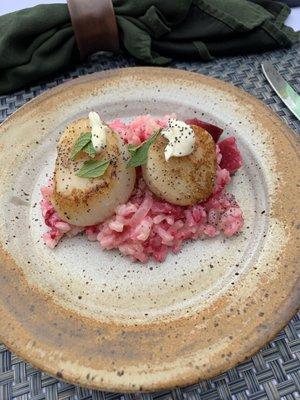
(147, 227)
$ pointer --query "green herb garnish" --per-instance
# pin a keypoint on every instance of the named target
(80, 143)
(139, 153)
(93, 168)
(89, 149)
(132, 148)
(83, 143)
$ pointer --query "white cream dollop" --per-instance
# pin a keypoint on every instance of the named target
(99, 131)
(181, 139)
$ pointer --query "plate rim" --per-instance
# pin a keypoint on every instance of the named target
(180, 381)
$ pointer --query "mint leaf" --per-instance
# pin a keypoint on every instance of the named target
(89, 149)
(80, 143)
(139, 153)
(132, 148)
(93, 168)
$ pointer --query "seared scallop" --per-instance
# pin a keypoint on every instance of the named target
(183, 180)
(88, 201)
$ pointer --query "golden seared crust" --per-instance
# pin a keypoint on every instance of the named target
(82, 201)
(182, 180)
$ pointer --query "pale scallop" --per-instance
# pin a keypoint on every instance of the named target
(82, 201)
(182, 180)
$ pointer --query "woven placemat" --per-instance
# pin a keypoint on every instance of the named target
(274, 372)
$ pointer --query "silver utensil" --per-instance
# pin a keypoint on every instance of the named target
(287, 94)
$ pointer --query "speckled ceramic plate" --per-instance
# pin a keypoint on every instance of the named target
(96, 319)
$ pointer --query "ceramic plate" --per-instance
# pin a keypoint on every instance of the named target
(94, 318)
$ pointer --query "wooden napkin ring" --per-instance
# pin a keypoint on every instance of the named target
(94, 25)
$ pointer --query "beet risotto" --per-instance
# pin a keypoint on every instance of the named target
(147, 226)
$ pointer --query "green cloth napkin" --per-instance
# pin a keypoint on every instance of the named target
(39, 41)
